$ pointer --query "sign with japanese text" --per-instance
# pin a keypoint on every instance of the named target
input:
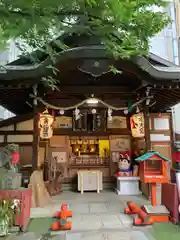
(137, 125)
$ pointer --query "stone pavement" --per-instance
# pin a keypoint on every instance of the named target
(95, 216)
(97, 235)
(110, 235)
(89, 203)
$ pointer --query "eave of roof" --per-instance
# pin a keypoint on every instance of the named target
(14, 72)
(161, 61)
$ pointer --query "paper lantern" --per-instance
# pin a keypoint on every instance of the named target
(137, 125)
(46, 125)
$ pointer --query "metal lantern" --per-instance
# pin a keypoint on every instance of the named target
(46, 125)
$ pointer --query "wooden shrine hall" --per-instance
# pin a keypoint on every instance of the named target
(95, 117)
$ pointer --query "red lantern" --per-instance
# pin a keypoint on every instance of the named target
(15, 157)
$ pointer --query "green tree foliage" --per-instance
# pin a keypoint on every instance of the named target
(124, 26)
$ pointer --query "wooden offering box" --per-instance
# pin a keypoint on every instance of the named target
(153, 169)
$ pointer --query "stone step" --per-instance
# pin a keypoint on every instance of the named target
(23, 236)
(106, 234)
(70, 186)
(109, 234)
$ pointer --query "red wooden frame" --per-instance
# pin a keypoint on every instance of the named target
(169, 198)
(25, 197)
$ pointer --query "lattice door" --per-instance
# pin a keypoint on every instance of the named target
(165, 150)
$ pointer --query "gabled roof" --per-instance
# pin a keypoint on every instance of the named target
(148, 155)
(18, 77)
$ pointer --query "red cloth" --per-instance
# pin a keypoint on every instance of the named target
(15, 157)
(176, 156)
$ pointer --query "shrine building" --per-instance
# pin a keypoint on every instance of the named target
(95, 117)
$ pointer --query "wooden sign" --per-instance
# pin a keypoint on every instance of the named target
(161, 123)
(120, 143)
(117, 122)
(115, 157)
(63, 122)
(60, 157)
(137, 125)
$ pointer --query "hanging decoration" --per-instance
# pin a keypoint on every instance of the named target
(137, 125)
(137, 109)
(61, 112)
(46, 125)
(126, 111)
(86, 101)
(130, 105)
(77, 114)
(109, 114)
(147, 96)
(93, 111)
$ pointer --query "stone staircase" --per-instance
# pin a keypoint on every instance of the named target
(73, 187)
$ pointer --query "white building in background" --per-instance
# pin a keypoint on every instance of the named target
(165, 44)
(7, 56)
(10, 54)
(5, 114)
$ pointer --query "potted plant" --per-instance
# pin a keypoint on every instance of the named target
(8, 211)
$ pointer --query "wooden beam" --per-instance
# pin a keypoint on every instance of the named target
(16, 119)
(14, 87)
(18, 132)
(93, 89)
(108, 132)
(19, 143)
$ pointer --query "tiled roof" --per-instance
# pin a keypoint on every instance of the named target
(148, 155)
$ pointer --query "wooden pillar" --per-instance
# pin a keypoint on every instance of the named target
(147, 128)
(145, 187)
(35, 144)
(153, 194)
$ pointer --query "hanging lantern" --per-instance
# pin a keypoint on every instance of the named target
(137, 125)
(46, 125)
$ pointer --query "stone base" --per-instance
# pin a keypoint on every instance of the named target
(127, 186)
(159, 209)
(157, 213)
(121, 193)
